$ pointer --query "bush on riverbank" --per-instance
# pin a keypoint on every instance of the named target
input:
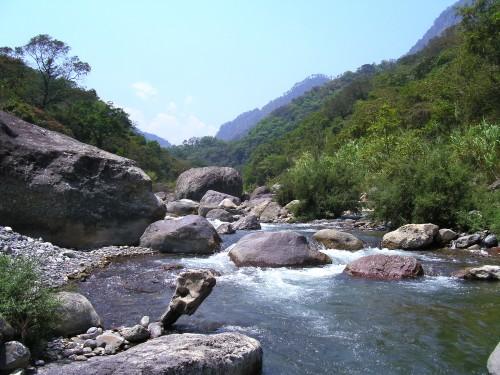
(25, 303)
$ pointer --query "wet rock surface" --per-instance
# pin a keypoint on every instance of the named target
(385, 267)
(275, 249)
(486, 272)
(192, 287)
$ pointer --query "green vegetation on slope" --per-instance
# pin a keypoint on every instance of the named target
(49, 96)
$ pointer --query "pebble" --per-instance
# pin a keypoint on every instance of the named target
(144, 321)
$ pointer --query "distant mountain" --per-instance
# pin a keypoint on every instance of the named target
(242, 124)
(449, 17)
(153, 137)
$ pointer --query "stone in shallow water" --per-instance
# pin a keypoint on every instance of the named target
(276, 249)
(385, 267)
(335, 239)
(411, 237)
(193, 286)
(487, 272)
(186, 354)
(135, 334)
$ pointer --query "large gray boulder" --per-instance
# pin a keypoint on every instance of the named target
(192, 287)
(335, 239)
(195, 182)
(75, 314)
(385, 267)
(275, 249)
(186, 354)
(494, 361)
(13, 355)
(189, 234)
(411, 237)
(70, 193)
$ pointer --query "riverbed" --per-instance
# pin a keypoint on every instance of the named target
(318, 320)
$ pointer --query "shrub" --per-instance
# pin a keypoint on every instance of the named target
(24, 302)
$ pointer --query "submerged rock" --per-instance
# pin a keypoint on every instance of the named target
(494, 361)
(195, 182)
(335, 239)
(192, 287)
(190, 234)
(385, 267)
(14, 355)
(75, 314)
(70, 193)
(276, 249)
(186, 354)
(487, 272)
(411, 237)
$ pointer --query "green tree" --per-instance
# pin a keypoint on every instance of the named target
(25, 302)
(50, 57)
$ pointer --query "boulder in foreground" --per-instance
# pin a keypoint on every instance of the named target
(68, 192)
(335, 239)
(411, 237)
(75, 314)
(385, 267)
(195, 182)
(13, 355)
(189, 234)
(276, 249)
(192, 287)
(186, 354)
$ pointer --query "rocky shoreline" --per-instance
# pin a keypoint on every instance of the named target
(58, 265)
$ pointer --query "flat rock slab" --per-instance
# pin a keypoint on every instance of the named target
(177, 354)
(276, 249)
(385, 267)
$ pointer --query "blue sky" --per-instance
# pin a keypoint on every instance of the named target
(182, 68)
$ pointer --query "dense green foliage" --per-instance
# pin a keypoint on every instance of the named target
(419, 136)
(24, 302)
(63, 106)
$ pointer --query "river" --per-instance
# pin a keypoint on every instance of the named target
(318, 320)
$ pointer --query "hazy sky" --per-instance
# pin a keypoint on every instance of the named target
(182, 68)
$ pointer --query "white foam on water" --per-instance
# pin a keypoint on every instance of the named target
(433, 283)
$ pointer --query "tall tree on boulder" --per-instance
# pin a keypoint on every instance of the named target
(50, 57)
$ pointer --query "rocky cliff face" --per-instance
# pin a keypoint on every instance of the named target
(446, 19)
(70, 193)
(242, 124)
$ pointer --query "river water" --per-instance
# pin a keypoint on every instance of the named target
(318, 320)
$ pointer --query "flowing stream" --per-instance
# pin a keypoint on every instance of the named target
(318, 320)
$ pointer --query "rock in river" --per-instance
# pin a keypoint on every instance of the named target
(220, 214)
(189, 234)
(494, 361)
(215, 198)
(186, 354)
(193, 286)
(385, 267)
(183, 207)
(249, 222)
(276, 249)
(487, 272)
(75, 314)
(70, 193)
(195, 182)
(335, 239)
(411, 237)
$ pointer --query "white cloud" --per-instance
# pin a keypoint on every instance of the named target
(172, 125)
(144, 90)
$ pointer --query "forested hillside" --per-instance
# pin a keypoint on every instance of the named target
(241, 125)
(420, 136)
(46, 93)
